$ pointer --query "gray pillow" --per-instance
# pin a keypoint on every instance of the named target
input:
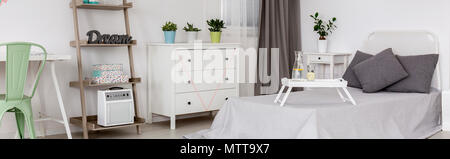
(420, 69)
(349, 75)
(379, 72)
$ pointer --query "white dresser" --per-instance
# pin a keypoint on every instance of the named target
(186, 79)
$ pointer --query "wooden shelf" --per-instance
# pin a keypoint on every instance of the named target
(88, 83)
(81, 5)
(84, 43)
(93, 126)
(92, 120)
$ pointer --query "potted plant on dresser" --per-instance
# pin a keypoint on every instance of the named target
(170, 30)
(191, 32)
(323, 28)
(215, 27)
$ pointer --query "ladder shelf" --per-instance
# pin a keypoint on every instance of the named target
(89, 123)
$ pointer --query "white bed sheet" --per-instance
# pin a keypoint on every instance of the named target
(321, 114)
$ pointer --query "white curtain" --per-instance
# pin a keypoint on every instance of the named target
(242, 21)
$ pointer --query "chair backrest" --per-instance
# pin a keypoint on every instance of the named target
(17, 60)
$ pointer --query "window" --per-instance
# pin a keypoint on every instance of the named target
(240, 13)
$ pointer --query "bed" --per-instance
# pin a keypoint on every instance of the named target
(320, 114)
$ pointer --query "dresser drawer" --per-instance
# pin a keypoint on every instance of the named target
(319, 59)
(202, 101)
(195, 60)
(326, 59)
(219, 59)
(184, 61)
(193, 87)
(207, 80)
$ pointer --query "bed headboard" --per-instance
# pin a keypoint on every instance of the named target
(405, 43)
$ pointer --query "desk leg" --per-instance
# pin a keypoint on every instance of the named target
(346, 62)
(346, 58)
(42, 126)
(42, 110)
(60, 100)
(332, 68)
(173, 120)
(324, 70)
(286, 96)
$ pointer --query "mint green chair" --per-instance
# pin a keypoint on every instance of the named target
(14, 101)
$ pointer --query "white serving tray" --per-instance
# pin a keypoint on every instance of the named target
(338, 84)
(318, 83)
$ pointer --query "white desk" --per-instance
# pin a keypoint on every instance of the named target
(330, 59)
(51, 60)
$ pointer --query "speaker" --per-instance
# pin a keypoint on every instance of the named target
(115, 107)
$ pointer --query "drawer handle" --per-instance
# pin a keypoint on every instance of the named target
(189, 82)
(189, 60)
(226, 98)
(227, 59)
(320, 58)
(189, 103)
(226, 79)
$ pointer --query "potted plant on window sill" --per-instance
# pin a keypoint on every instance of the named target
(215, 27)
(191, 32)
(170, 30)
(323, 28)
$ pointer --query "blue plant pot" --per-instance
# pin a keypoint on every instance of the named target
(169, 37)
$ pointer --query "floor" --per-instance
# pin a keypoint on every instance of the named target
(161, 131)
(441, 135)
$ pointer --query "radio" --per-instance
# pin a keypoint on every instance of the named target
(115, 107)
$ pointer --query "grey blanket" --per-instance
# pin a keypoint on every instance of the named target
(321, 114)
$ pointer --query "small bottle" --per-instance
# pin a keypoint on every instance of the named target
(311, 76)
(298, 67)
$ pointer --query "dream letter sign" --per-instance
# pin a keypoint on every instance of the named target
(95, 37)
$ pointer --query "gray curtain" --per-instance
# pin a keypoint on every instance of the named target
(279, 28)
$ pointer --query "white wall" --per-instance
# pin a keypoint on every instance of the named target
(358, 18)
(49, 22)
(52, 26)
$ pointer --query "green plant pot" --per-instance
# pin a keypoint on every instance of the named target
(215, 37)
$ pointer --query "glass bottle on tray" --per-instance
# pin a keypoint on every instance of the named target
(297, 72)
